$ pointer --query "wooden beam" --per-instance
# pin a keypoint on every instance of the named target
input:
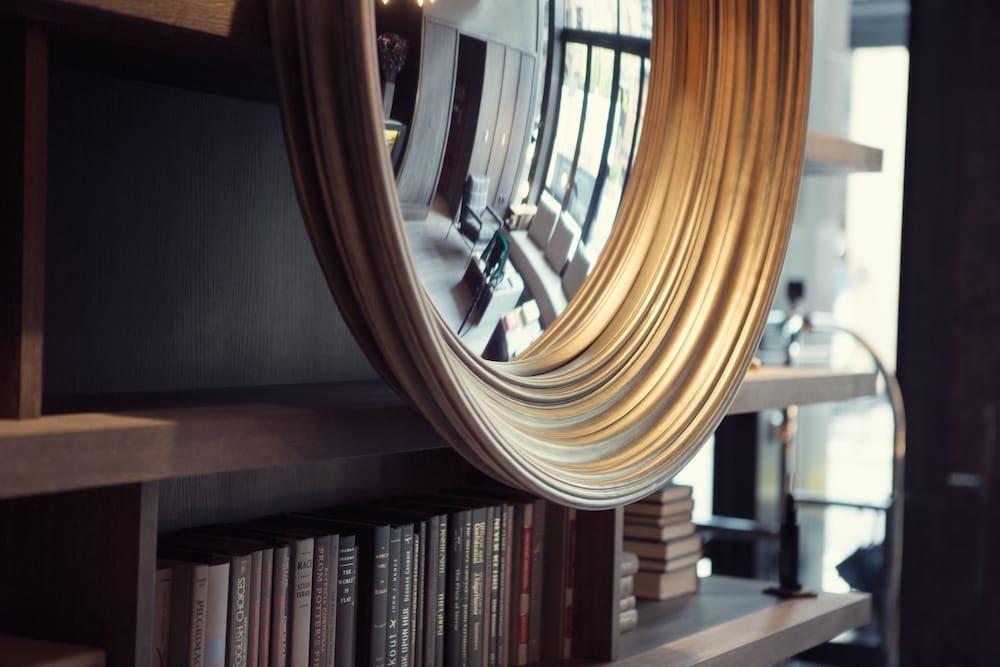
(598, 588)
(23, 139)
(80, 569)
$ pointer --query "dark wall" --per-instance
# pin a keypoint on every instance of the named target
(949, 340)
(177, 256)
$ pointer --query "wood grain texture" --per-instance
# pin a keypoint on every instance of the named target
(85, 450)
(79, 567)
(237, 496)
(177, 255)
(598, 588)
(23, 140)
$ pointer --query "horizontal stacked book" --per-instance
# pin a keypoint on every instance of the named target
(628, 615)
(457, 579)
(659, 530)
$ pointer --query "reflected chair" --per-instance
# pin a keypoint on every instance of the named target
(484, 275)
(475, 212)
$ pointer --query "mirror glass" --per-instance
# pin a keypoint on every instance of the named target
(512, 128)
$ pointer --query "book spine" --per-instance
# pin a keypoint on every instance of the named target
(493, 542)
(456, 563)
(464, 595)
(442, 590)
(429, 586)
(161, 616)
(477, 587)
(266, 585)
(520, 657)
(570, 586)
(392, 615)
(253, 623)
(300, 604)
(332, 589)
(346, 592)
(280, 592)
(417, 594)
(554, 587)
(537, 563)
(319, 612)
(405, 595)
(379, 599)
(240, 570)
(216, 609)
(503, 623)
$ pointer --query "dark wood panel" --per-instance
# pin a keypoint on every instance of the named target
(504, 123)
(418, 174)
(598, 573)
(293, 426)
(23, 135)
(238, 496)
(177, 254)
(79, 567)
(524, 112)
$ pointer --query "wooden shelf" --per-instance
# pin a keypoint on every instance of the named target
(827, 154)
(777, 386)
(215, 432)
(730, 621)
(151, 437)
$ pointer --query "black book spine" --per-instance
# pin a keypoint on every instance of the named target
(405, 595)
(503, 622)
(441, 591)
(372, 633)
(332, 582)
(266, 597)
(240, 568)
(253, 624)
(319, 614)
(392, 616)
(346, 592)
(417, 606)
(456, 565)
(280, 599)
(535, 594)
(495, 543)
(477, 588)
(429, 590)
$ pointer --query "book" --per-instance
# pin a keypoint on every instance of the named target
(417, 592)
(657, 521)
(629, 563)
(628, 586)
(659, 550)
(36, 653)
(628, 620)
(657, 586)
(556, 581)
(626, 603)
(669, 493)
(392, 615)
(280, 590)
(535, 591)
(266, 601)
(189, 598)
(671, 532)
(650, 565)
(161, 615)
(253, 611)
(346, 606)
(406, 596)
(657, 509)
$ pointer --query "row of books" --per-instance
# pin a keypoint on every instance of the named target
(659, 531)
(457, 579)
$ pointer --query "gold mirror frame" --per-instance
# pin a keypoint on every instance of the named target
(637, 372)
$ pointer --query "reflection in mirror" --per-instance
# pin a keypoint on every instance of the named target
(512, 128)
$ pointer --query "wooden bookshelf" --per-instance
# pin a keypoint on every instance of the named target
(828, 154)
(222, 431)
(731, 621)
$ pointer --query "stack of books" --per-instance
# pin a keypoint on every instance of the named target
(450, 579)
(659, 530)
(628, 615)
